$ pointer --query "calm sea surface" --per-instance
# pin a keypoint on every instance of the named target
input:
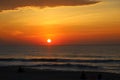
(69, 58)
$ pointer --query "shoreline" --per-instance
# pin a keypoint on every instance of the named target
(24, 73)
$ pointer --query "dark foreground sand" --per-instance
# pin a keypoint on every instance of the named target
(12, 73)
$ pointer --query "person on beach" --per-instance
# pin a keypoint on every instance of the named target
(99, 77)
(20, 69)
(83, 76)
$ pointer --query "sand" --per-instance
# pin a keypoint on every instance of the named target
(16, 73)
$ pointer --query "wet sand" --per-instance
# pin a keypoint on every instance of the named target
(16, 73)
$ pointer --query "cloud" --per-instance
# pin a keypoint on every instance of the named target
(16, 33)
(13, 4)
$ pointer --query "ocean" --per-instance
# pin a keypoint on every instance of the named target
(63, 58)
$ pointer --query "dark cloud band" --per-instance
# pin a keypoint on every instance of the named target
(12, 4)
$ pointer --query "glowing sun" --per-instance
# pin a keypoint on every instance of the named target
(49, 40)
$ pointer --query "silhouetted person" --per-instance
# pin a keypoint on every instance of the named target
(83, 76)
(99, 77)
(20, 69)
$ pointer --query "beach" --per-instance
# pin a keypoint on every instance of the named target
(59, 40)
(14, 73)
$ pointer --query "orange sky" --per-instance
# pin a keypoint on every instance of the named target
(97, 23)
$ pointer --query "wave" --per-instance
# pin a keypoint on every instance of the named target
(59, 60)
(63, 64)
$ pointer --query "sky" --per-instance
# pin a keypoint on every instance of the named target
(65, 22)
